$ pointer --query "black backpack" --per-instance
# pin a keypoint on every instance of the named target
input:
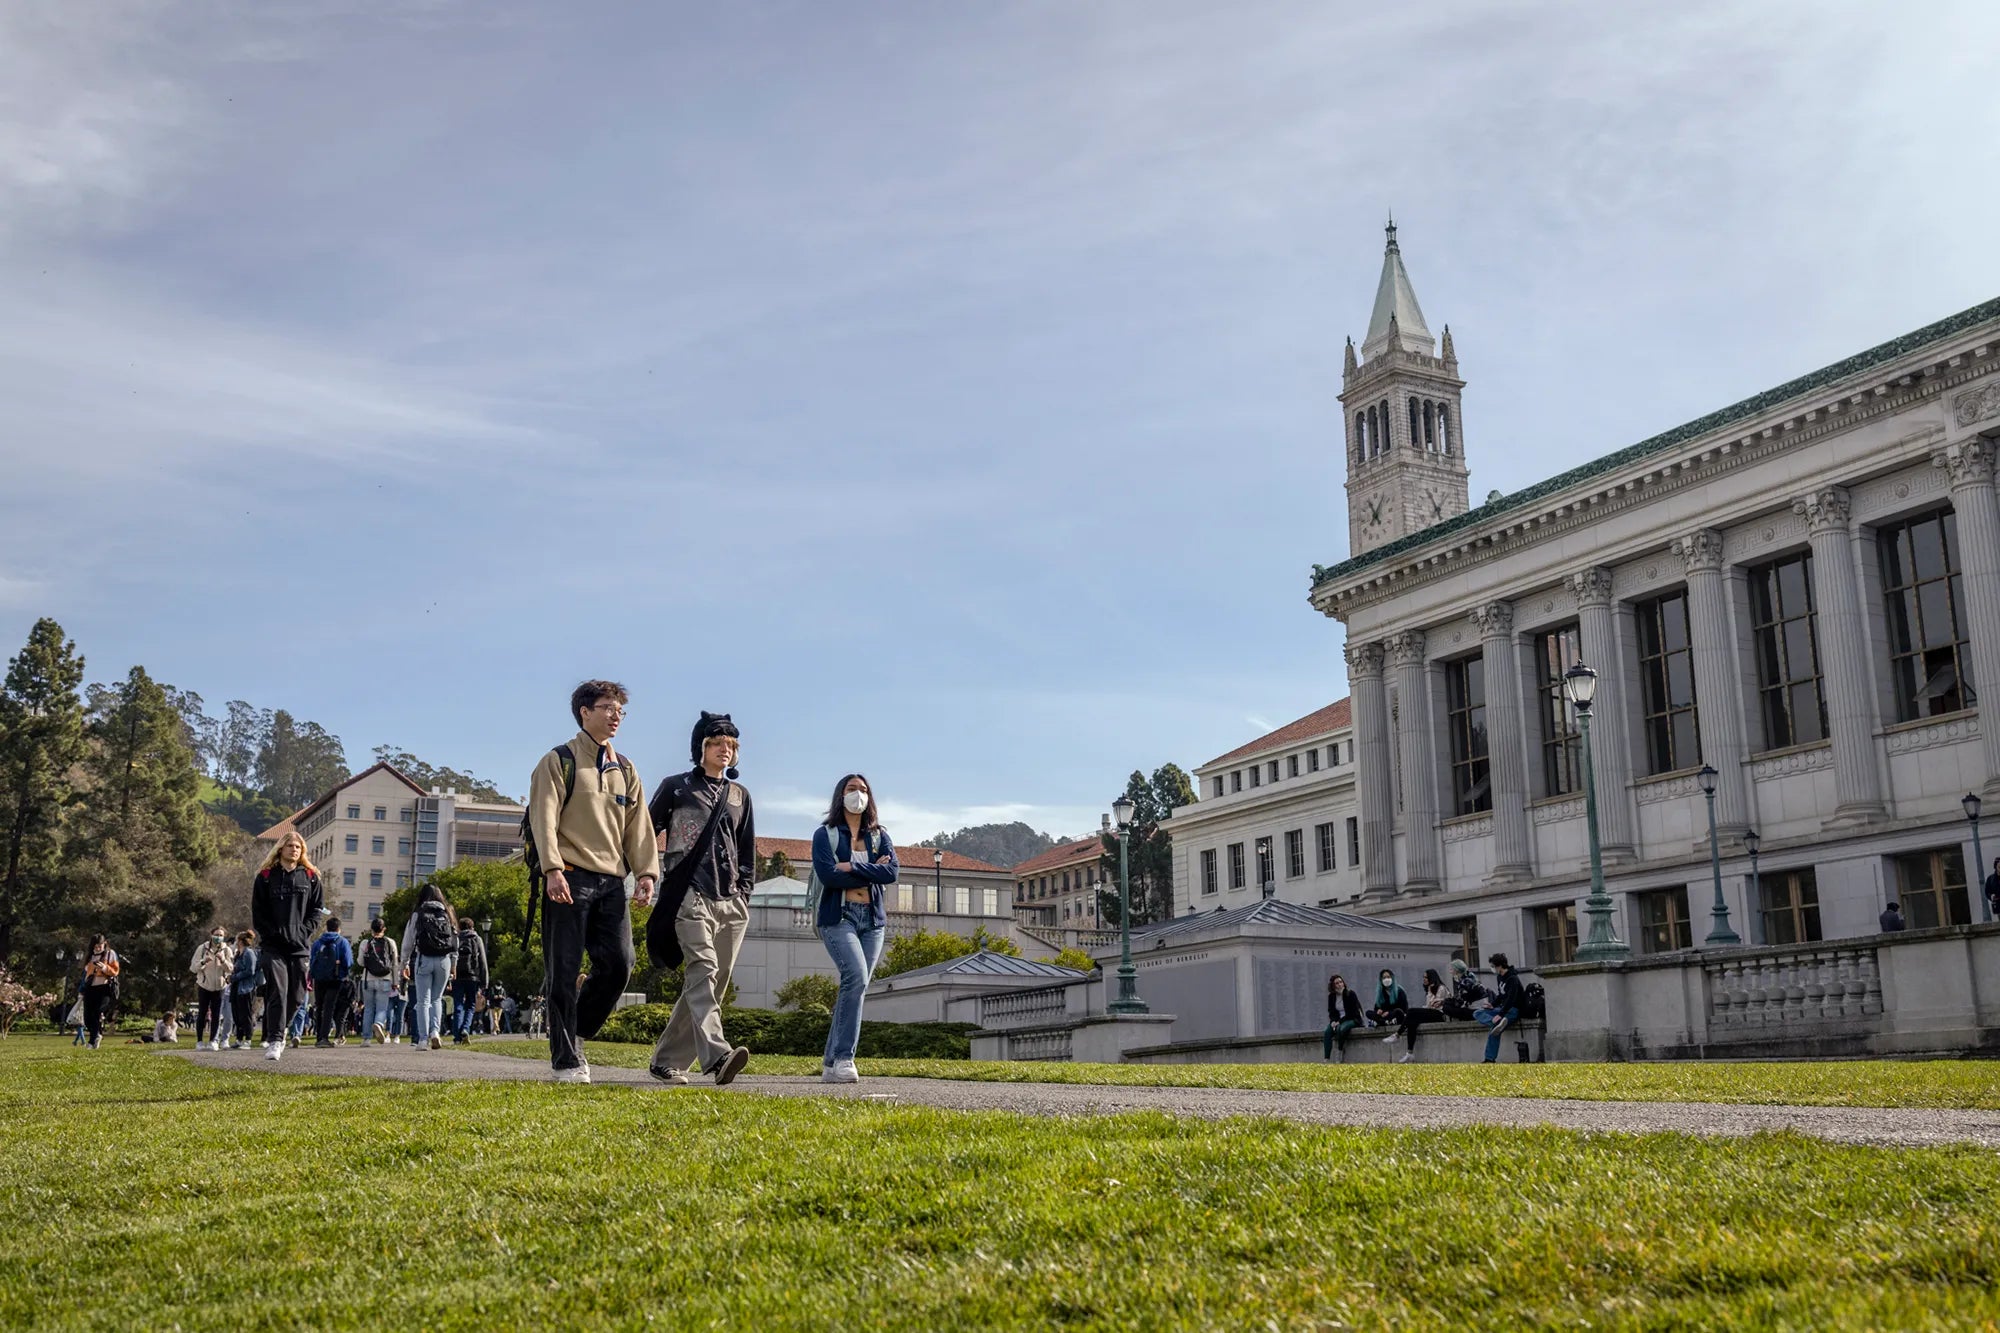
(1534, 1001)
(435, 936)
(325, 964)
(375, 957)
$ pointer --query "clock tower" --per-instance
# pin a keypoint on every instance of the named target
(1400, 399)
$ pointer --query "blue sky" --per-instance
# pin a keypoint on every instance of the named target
(947, 391)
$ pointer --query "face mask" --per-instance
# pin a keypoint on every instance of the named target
(855, 801)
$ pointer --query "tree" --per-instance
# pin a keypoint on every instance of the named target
(1005, 845)
(239, 737)
(141, 838)
(250, 811)
(41, 740)
(439, 779)
(298, 761)
(906, 953)
(809, 992)
(202, 732)
(777, 866)
(1071, 956)
(1151, 848)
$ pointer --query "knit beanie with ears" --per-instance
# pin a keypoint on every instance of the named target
(712, 724)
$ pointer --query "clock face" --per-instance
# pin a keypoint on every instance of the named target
(1437, 503)
(1375, 513)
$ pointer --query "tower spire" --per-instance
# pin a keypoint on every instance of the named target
(1395, 301)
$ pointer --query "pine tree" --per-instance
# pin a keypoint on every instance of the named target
(41, 739)
(1151, 846)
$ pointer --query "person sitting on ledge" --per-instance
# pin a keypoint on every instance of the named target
(1390, 1004)
(1467, 994)
(1892, 917)
(1512, 1002)
(1431, 1011)
(1343, 1015)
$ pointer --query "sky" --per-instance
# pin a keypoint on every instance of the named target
(948, 392)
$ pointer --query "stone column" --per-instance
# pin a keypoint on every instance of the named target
(1417, 747)
(1371, 771)
(1718, 700)
(1610, 734)
(1969, 463)
(1506, 759)
(1843, 658)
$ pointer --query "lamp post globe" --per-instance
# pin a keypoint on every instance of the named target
(1602, 945)
(1127, 1000)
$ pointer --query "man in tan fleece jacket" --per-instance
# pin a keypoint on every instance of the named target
(589, 843)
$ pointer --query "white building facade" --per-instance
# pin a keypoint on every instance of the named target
(1801, 590)
(1276, 818)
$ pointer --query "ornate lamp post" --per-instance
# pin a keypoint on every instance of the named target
(486, 936)
(1603, 944)
(1127, 1001)
(1977, 879)
(937, 877)
(1719, 934)
(1753, 844)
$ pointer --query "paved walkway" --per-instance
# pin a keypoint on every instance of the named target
(1839, 1124)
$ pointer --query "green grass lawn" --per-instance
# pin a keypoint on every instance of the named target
(142, 1191)
(1947, 1084)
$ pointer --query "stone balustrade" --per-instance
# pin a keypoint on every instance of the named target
(1819, 983)
(1024, 1008)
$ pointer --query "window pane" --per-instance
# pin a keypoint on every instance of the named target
(1687, 743)
(1680, 681)
(1673, 623)
(1793, 593)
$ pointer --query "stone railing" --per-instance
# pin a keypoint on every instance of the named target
(1040, 1046)
(1819, 983)
(1024, 1008)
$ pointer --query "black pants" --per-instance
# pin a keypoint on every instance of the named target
(597, 923)
(328, 1011)
(1415, 1018)
(97, 1001)
(239, 1010)
(285, 990)
(207, 1010)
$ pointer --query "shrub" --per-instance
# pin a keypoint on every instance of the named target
(809, 993)
(1071, 956)
(769, 1032)
(907, 953)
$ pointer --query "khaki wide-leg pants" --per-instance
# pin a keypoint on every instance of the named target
(711, 935)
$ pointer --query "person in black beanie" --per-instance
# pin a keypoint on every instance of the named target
(707, 832)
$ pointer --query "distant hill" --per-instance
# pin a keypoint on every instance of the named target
(1005, 845)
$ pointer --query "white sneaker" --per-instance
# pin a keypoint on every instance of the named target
(275, 1051)
(841, 1071)
(580, 1074)
(1391, 1037)
(1406, 1057)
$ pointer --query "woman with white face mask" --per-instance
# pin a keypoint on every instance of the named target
(852, 860)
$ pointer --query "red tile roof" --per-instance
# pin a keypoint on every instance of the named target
(392, 771)
(1064, 856)
(278, 830)
(799, 852)
(1330, 718)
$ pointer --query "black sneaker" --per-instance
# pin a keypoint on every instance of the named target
(676, 1077)
(729, 1066)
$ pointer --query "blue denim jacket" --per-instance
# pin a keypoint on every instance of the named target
(831, 846)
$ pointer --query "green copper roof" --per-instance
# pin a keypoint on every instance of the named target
(1749, 407)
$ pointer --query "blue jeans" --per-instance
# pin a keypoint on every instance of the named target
(855, 945)
(300, 1016)
(427, 980)
(395, 1014)
(463, 994)
(1493, 1034)
(376, 996)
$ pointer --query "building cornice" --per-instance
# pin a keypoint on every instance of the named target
(1915, 369)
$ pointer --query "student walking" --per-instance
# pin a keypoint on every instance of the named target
(1436, 996)
(852, 859)
(1511, 1003)
(380, 964)
(212, 962)
(332, 960)
(284, 904)
(588, 818)
(468, 980)
(708, 844)
(428, 948)
(245, 976)
(1343, 1015)
(100, 987)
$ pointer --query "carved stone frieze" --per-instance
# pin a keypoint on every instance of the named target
(1592, 587)
(1557, 812)
(1967, 463)
(1805, 760)
(1945, 731)
(1700, 550)
(1363, 659)
(1407, 649)
(1495, 619)
(1827, 509)
(1977, 403)
(1464, 830)
(1654, 791)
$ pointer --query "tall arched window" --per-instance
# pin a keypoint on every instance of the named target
(1388, 440)
(1444, 429)
(1416, 431)
(1430, 426)
(1360, 437)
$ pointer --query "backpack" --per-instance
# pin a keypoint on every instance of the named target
(435, 936)
(1535, 1001)
(531, 855)
(325, 964)
(816, 891)
(375, 956)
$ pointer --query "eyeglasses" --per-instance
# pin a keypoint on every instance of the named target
(616, 710)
